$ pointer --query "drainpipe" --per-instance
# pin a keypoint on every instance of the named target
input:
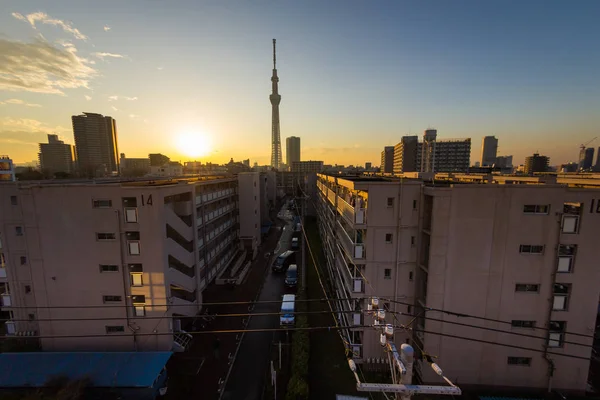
(125, 280)
(550, 361)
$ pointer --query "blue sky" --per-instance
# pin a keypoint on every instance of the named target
(354, 75)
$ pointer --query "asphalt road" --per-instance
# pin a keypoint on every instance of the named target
(247, 376)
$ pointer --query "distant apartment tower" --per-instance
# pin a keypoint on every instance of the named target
(504, 161)
(134, 166)
(307, 167)
(368, 165)
(499, 249)
(586, 158)
(407, 155)
(597, 166)
(444, 155)
(96, 144)
(292, 150)
(56, 156)
(158, 160)
(7, 169)
(536, 163)
(387, 160)
(148, 247)
(489, 150)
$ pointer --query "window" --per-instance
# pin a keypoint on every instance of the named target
(412, 240)
(13, 200)
(137, 279)
(387, 273)
(414, 204)
(132, 235)
(102, 203)
(23, 260)
(101, 236)
(388, 238)
(254, 198)
(523, 361)
(390, 202)
(111, 299)
(531, 249)
(31, 317)
(536, 209)
(134, 247)
(566, 254)
(556, 335)
(27, 289)
(561, 297)
(527, 287)
(109, 268)
(139, 305)
(131, 215)
(517, 323)
(570, 219)
(409, 309)
(410, 276)
(19, 230)
(129, 201)
(115, 329)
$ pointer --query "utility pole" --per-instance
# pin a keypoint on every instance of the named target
(302, 243)
(401, 364)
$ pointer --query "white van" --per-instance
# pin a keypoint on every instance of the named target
(286, 317)
(295, 243)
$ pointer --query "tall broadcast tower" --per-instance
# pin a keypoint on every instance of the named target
(275, 134)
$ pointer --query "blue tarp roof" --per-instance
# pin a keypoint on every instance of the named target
(129, 369)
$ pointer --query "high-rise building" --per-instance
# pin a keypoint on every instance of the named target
(158, 159)
(368, 165)
(536, 163)
(586, 158)
(56, 156)
(407, 155)
(292, 150)
(96, 144)
(75, 251)
(275, 99)
(387, 160)
(134, 166)
(505, 248)
(307, 166)
(597, 166)
(489, 150)
(246, 162)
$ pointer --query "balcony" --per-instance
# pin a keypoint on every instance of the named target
(2, 272)
(175, 264)
(5, 300)
(210, 197)
(354, 216)
(179, 292)
(356, 250)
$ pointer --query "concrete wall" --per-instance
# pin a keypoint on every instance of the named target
(474, 265)
(250, 210)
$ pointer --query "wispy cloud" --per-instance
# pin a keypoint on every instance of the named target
(88, 98)
(39, 66)
(106, 28)
(102, 56)
(46, 19)
(160, 68)
(133, 116)
(114, 108)
(29, 125)
(19, 102)
(115, 98)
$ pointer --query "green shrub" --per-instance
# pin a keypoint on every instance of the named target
(297, 388)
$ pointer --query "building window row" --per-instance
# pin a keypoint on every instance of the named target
(522, 361)
(543, 209)
(101, 203)
(531, 249)
(517, 323)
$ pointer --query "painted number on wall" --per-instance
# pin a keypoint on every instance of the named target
(147, 201)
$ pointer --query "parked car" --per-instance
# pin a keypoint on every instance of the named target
(283, 261)
(295, 243)
(287, 317)
(291, 276)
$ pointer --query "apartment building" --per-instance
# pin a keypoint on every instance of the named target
(115, 265)
(56, 156)
(96, 144)
(369, 229)
(250, 210)
(431, 154)
(7, 169)
(387, 160)
(407, 155)
(505, 248)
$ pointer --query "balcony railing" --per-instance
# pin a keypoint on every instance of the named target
(209, 197)
(356, 250)
(353, 215)
(5, 300)
(2, 272)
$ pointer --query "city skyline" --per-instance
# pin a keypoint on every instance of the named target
(210, 85)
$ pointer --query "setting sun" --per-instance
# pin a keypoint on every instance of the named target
(194, 144)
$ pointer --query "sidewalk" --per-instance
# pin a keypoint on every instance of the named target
(197, 371)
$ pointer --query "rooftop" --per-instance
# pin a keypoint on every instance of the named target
(127, 369)
(145, 181)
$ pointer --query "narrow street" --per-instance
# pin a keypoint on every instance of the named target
(247, 376)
